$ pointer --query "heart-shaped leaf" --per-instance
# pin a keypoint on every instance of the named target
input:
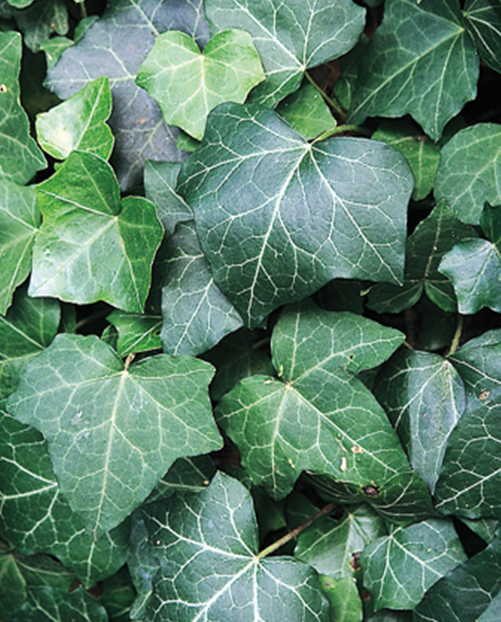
(278, 217)
(188, 84)
(130, 424)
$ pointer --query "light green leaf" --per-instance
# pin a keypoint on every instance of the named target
(216, 529)
(115, 46)
(401, 567)
(187, 84)
(19, 222)
(468, 174)
(290, 38)
(78, 123)
(319, 416)
(424, 398)
(420, 61)
(422, 154)
(29, 327)
(90, 246)
(196, 314)
(136, 332)
(343, 597)
(467, 592)
(20, 157)
(53, 49)
(160, 181)
(469, 481)
(307, 112)
(42, 19)
(47, 604)
(277, 217)
(483, 20)
(133, 422)
(35, 517)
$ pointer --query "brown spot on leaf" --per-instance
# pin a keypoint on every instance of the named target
(3, 88)
(371, 491)
(484, 395)
(355, 561)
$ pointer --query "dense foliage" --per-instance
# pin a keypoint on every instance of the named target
(250, 342)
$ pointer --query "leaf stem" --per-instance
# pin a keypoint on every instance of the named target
(128, 360)
(83, 10)
(90, 318)
(336, 107)
(457, 336)
(295, 532)
(342, 129)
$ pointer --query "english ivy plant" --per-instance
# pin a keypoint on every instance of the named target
(250, 338)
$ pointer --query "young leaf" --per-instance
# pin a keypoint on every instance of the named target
(319, 417)
(42, 19)
(196, 314)
(187, 84)
(483, 20)
(36, 518)
(90, 246)
(289, 38)
(19, 222)
(217, 529)
(129, 424)
(115, 46)
(401, 567)
(78, 123)
(278, 217)
(417, 44)
(136, 332)
(20, 157)
(424, 397)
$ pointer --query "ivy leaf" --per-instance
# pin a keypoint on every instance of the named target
(196, 314)
(46, 604)
(42, 19)
(133, 422)
(417, 44)
(20, 157)
(431, 240)
(278, 217)
(217, 529)
(467, 592)
(468, 172)
(289, 38)
(115, 46)
(186, 475)
(78, 123)
(187, 83)
(35, 517)
(469, 481)
(343, 430)
(19, 222)
(29, 327)
(90, 246)
(343, 597)
(483, 20)
(136, 332)
(160, 181)
(401, 567)
(424, 397)
(12, 585)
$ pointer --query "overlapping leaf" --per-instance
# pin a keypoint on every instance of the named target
(483, 20)
(20, 157)
(90, 246)
(401, 567)
(19, 222)
(46, 604)
(344, 599)
(215, 533)
(418, 43)
(114, 432)
(290, 38)
(278, 217)
(137, 332)
(187, 83)
(78, 123)
(115, 46)
(319, 416)
(40, 20)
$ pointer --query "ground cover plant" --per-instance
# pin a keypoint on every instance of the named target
(250, 342)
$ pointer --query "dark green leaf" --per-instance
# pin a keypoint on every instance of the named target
(46, 604)
(90, 246)
(467, 592)
(401, 567)
(187, 83)
(215, 532)
(290, 38)
(196, 314)
(42, 19)
(418, 43)
(278, 217)
(12, 585)
(424, 397)
(20, 158)
(483, 20)
(132, 422)
(136, 332)
(185, 475)
(115, 47)
(343, 597)
(78, 123)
